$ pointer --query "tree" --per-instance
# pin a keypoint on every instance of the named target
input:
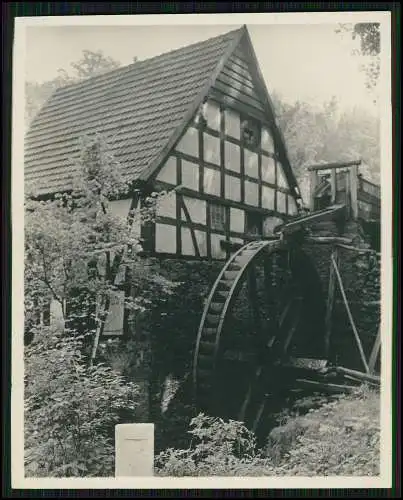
(368, 36)
(77, 250)
(327, 134)
(91, 64)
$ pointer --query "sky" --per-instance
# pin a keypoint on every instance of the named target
(307, 62)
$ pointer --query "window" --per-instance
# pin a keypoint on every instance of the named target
(254, 223)
(217, 217)
(250, 132)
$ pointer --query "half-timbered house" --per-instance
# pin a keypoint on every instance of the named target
(197, 121)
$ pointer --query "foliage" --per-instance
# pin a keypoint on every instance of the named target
(77, 249)
(327, 134)
(218, 448)
(91, 64)
(71, 409)
(369, 37)
(341, 437)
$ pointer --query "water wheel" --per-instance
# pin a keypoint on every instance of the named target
(265, 305)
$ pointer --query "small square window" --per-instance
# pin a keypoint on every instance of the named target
(217, 217)
(250, 131)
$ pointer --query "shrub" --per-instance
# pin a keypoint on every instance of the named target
(217, 448)
(71, 409)
(342, 438)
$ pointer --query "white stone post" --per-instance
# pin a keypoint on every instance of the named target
(134, 450)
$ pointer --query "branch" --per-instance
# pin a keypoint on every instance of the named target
(45, 279)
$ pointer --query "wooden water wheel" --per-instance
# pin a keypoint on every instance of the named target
(264, 306)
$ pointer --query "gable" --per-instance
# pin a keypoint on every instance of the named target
(137, 108)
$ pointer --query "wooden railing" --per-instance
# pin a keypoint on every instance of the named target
(342, 184)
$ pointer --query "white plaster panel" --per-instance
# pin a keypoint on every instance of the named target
(196, 209)
(165, 238)
(212, 149)
(216, 251)
(252, 193)
(268, 195)
(232, 188)
(281, 179)
(251, 164)
(232, 123)
(232, 157)
(212, 181)
(166, 205)
(168, 171)
(190, 175)
(237, 220)
(189, 143)
(187, 243)
(268, 169)
(281, 202)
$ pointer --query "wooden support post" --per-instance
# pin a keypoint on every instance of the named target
(375, 352)
(330, 304)
(348, 193)
(333, 185)
(350, 316)
(134, 450)
(353, 178)
(313, 181)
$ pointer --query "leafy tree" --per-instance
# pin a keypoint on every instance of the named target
(91, 64)
(368, 35)
(328, 134)
(78, 254)
(78, 250)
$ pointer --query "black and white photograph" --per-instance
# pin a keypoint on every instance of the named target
(202, 281)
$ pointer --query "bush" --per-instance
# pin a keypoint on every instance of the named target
(217, 448)
(340, 438)
(71, 409)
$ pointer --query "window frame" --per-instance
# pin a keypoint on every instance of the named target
(217, 214)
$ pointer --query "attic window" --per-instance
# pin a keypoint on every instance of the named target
(250, 132)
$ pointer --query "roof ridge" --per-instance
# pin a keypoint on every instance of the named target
(136, 63)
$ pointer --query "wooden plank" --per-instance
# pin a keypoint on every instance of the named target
(354, 190)
(234, 75)
(324, 387)
(329, 166)
(238, 94)
(350, 316)
(313, 182)
(320, 216)
(234, 103)
(375, 351)
(190, 223)
(237, 86)
(329, 306)
(333, 186)
(358, 375)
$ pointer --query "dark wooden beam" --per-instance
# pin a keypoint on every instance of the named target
(329, 166)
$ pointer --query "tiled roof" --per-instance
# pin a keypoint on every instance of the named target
(138, 107)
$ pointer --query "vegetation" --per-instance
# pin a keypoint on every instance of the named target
(76, 248)
(91, 64)
(77, 388)
(341, 438)
(71, 409)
